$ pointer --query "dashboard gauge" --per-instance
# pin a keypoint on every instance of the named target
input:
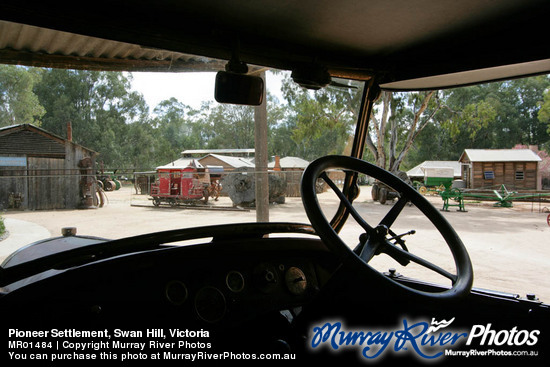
(295, 280)
(176, 292)
(234, 281)
(265, 277)
(210, 304)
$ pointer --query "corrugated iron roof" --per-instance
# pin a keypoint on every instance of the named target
(218, 151)
(179, 163)
(6, 130)
(290, 162)
(500, 155)
(35, 46)
(235, 162)
(418, 172)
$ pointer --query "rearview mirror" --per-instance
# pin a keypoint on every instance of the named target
(239, 89)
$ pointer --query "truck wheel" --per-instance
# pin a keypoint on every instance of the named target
(383, 195)
(375, 192)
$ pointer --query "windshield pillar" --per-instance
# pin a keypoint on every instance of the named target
(371, 92)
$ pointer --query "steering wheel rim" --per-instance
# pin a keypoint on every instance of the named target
(461, 282)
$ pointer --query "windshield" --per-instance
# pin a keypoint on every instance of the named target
(122, 154)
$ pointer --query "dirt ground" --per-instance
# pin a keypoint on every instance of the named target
(509, 247)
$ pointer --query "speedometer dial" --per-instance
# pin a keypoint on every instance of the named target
(295, 280)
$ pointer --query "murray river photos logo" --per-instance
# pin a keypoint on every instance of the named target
(425, 340)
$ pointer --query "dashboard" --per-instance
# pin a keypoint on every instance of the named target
(220, 284)
(252, 293)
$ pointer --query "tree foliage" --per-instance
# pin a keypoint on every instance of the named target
(406, 128)
(320, 122)
(18, 103)
(496, 115)
(544, 112)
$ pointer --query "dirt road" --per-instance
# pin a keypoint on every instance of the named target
(509, 247)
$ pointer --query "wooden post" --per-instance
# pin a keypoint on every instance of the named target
(262, 179)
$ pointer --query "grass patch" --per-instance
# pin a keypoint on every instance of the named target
(2, 226)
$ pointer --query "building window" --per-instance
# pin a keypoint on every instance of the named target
(519, 175)
(489, 175)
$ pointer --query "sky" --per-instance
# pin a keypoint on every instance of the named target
(188, 88)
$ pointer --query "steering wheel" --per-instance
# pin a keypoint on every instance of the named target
(378, 239)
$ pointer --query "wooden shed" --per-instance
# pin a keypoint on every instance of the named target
(489, 168)
(40, 170)
(293, 168)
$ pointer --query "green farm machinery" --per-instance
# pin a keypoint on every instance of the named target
(450, 195)
(109, 181)
(502, 197)
(436, 179)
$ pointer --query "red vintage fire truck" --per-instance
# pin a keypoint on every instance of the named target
(176, 186)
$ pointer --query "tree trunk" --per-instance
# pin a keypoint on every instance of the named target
(414, 131)
(380, 128)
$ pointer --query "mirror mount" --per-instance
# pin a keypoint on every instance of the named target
(312, 76)
(236, 66)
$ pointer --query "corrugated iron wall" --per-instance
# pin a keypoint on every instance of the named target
(42, 169)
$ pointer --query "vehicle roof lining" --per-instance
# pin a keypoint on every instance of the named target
(471, 77)
(408, 41)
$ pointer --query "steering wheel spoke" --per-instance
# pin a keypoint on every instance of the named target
(394, 212)
(368, 251)
(374, 247)
(400, 255)
(367, 227)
